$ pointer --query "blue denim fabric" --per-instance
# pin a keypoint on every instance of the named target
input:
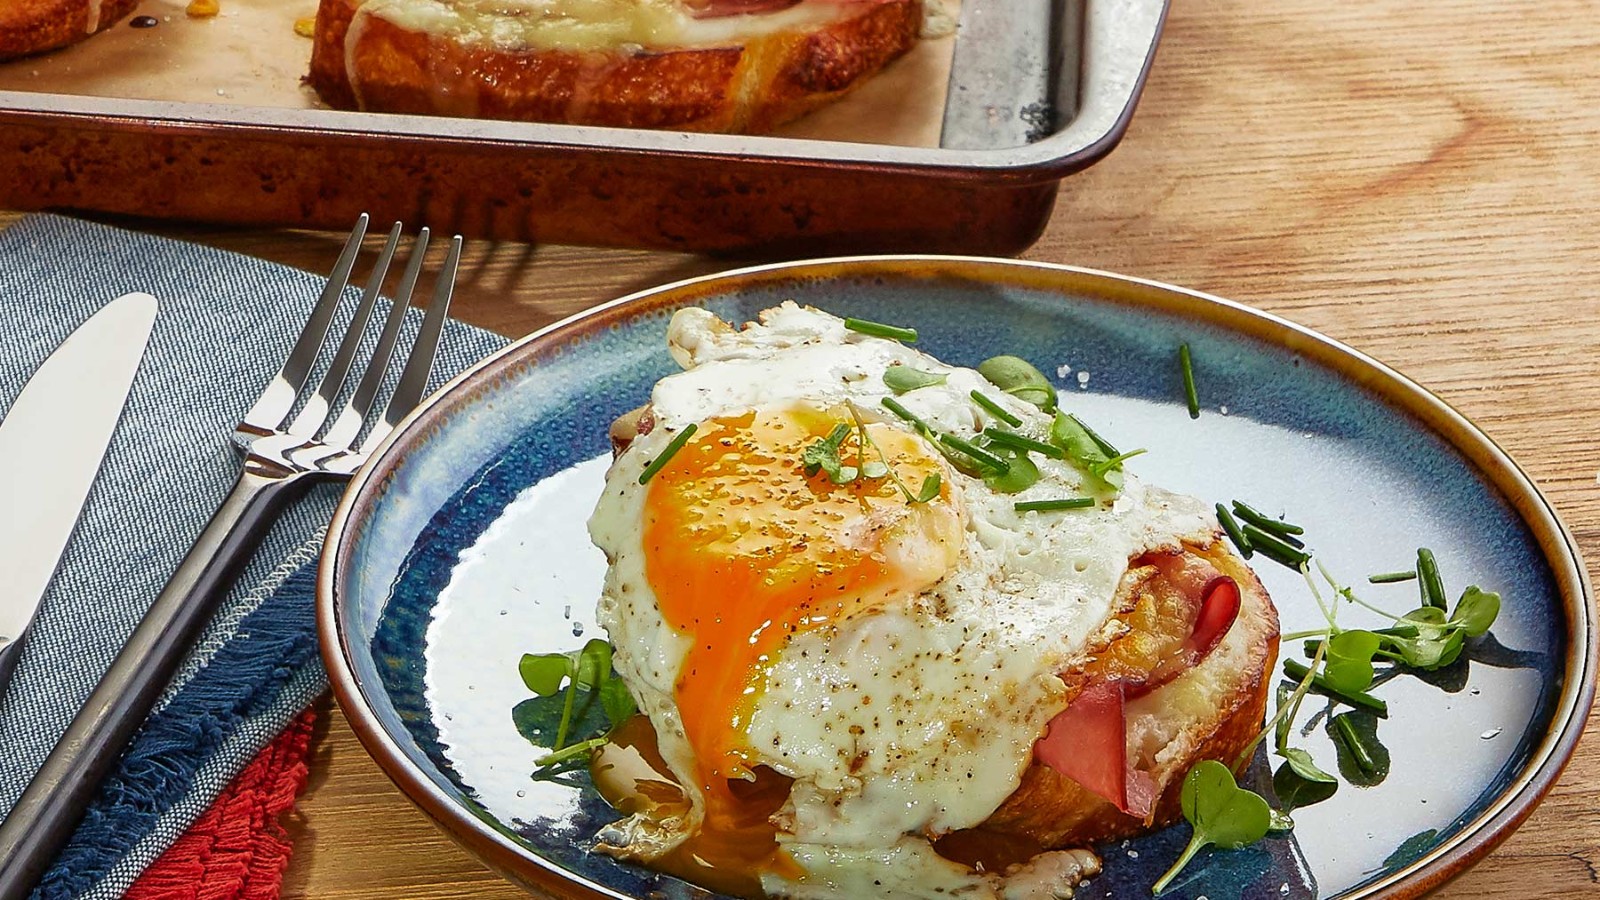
(226, 323)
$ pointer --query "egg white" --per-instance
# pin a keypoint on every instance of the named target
(910, 719)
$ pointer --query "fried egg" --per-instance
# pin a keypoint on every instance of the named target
(835, 674)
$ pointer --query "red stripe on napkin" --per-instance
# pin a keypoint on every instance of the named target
(237, 850)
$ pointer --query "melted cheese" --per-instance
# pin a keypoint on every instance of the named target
(602, 25)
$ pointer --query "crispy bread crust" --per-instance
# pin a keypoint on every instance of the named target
(1052, 811)
(753, 88)
(34, 26)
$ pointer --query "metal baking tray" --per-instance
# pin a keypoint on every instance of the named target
(1038, 89)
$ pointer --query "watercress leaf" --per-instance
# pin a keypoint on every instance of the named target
(1349, 661)
(929, 489)
(900, 378)
(543, 673)
(1224, 813)
(1294, 791)
(1476, 611)
(874, 469)
(616, 701)
(1280, 822)
(1304, 766)
(1018, 377)
(593, 664)
(1022, 475)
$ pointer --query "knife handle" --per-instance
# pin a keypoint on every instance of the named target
(45, 816)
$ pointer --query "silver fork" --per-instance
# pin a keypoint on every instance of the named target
(283, 457)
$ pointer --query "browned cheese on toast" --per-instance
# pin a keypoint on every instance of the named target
(34, 26)
(369, 61)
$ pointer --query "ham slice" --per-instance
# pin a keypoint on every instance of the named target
(1088, 741)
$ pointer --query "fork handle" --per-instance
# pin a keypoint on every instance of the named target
(48, 812)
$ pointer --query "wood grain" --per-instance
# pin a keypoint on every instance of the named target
(1416, 179)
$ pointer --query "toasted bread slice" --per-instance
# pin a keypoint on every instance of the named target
(34, 26)
(642, 64)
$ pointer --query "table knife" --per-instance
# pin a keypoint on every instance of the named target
(52, 440)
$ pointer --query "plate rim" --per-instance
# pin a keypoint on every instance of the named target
(1474, 841)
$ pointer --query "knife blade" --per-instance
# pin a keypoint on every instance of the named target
(52, 441)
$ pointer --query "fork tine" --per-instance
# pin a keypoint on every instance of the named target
(348, 425)
(315, 412)
(274, 404)
(419, 364)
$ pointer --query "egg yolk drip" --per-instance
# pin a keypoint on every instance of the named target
(743, 549)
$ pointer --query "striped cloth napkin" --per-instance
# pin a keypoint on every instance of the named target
(226, 323)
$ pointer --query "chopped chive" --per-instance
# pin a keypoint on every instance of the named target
(1102, 443)
(668, 452)
(1352, 742)
(1274, 548)
(896, 407)
(1277, 526)
(995, 409)
(1392, 577)
(1189, 393)
(1288, 540)
(1023, 442)
(976, 452)
(1432, 584)
(878, 329)
(1297, 671)
(1046, 505)
(1234, 534)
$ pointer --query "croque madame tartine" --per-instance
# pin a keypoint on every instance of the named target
(871, 681)
(34, 26)
(694, 65)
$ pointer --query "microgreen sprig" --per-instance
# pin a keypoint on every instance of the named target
(585, 672)
(1222, 813)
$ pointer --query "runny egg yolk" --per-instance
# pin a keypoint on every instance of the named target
(743, 549)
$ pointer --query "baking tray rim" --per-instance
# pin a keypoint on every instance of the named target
(1099, 125)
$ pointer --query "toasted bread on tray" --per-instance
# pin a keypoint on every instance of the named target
(717, 65)
(34, 26)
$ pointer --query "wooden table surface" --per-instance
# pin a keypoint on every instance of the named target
(1416, 179)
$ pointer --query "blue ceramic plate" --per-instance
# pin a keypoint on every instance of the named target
(462, 546)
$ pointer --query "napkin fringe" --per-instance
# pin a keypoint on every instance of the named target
(239, 849)
(159, 768)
